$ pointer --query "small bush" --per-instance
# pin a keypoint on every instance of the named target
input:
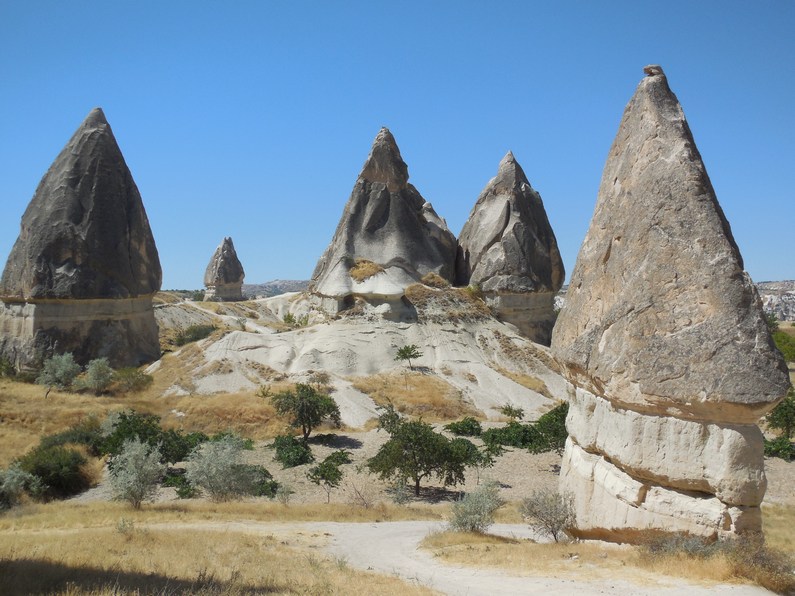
(131, 380)
(434, 280)
(339, 457)
(467, 427)
(98, 377)
(7, 370)
(513, 434)
(326, 474)
(780, 447)
(246, 444)
(59, 371)
(177, 446)
(512, 412)
(14, 483)
(289, 319)
(59, 470)
(131, 425)
(216, 468)
(192, 333)
(551, 512)
(87, 432)
(475, 511)
(176, 479)
(136, 472)
(292, 452)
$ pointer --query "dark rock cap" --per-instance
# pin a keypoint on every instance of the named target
(224, 267)
(507, 244)
(659, 313)
(85, 233)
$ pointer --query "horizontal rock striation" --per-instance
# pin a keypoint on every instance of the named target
(83, 271)
(508, 249)
(663, 335)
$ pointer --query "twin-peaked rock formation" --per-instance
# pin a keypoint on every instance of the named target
(389, 237)
(224, 275)
(81, 275)
(664, 338)
(507, 247)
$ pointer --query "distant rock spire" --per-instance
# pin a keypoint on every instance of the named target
(85, 233)
(385, 222)
(85, 266)
(508, 248)
(664, 338)
(224, 275)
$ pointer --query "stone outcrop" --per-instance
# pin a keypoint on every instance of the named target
(224, 275)
(81, 276)
(663, 336)
(388, 238)
(508, 249)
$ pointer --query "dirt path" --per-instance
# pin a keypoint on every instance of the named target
(390, 548)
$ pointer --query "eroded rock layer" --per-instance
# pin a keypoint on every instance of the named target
(224, 275)
(664, 337)
(81, 275)
(509, 250)
(388, 238)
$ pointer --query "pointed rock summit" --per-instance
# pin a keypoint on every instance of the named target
(664, 338)
(388, 238)
(508, 248)
(85, 260)
(224, 275)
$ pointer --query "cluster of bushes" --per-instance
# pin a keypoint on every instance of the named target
(548, 433)
(62, 372)
(192, 333)
(782, 418)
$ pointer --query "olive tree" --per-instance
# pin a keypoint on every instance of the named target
(136, 472)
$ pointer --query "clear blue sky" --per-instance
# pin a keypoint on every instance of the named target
(253, 119)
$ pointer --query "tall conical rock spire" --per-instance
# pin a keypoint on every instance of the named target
(85, 260)
(508, 248)
(224, 275)
(664, 338)
(390, 227)
(85, 233)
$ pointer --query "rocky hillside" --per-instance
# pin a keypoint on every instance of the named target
(274, 288)
(778, 297)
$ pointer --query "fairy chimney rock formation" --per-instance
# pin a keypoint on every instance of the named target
(508, 249)
(81, 276)
(224, 275)
(664, 339)
(388, 238)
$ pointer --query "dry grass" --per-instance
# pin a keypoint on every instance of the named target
(529, 381)
(778, 523)
(415, 394)
(525, 353)
(166, 298)
(363, 269)
(446, 305)
(128, 558)
(435, 280)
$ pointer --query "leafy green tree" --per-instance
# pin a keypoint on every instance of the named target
(292, 452)
(59, 371)
(415, 451)
(782, 417)
(772, 321)
(307, 408)
(408, 353)
(552, 430)
(98, 377)
(137, 471)
(326, 474)
(512, 412)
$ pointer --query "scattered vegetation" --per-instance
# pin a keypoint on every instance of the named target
(131, 380)
(137, 472)
(548, 433)
(782, 418)
(466, 427)
(59, 371)
(550, 511)
(192, 333)
(511, 412)
(98, 376)
(328, 473)
(292, 452)
(529, 381)
(434, 280)
(475, 511)
(15, 484)
(363, 269)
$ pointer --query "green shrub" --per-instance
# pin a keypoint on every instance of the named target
(7, 369)
(98, 377)
(475, 511)
(339, 457)
(258, 479)
(289, 319)
(14, 483)
(548, 433)
(513, 434)
(59, 470)
(512, 412)
(131, 380)
(780, 447)
(467, 427)
(326, 474)
(59, 371)
(176, 446)
(192, 333)
(87, 432)
(131, 425)
(292, 452)
(177, 479)
(136, 472)
(247, 444)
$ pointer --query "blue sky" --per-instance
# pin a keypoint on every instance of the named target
(253, 119)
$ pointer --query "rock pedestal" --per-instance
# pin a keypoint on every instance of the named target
(224, 275)
(388, 238)
(508, 248)
(81, 276)
(664, 338)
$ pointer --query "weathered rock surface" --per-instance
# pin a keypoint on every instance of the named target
(663, 334)
(508, 248)
(224, 275)
(82, 273)
(388, 232)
